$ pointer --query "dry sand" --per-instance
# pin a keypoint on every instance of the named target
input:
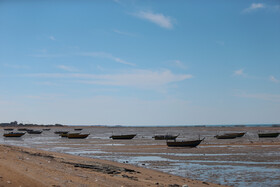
(31, 167)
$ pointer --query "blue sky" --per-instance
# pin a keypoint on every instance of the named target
(140, 62)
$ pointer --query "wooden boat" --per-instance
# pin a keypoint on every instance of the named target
(22, 129)
(8, 129)
(193, 143)
(268, 135)
(64, 134)
(46, 129)
(14, 134)
(60, 132)
(77, 136)
(165, 137)
(30, 131)
(78, 129)
(123, 137)
(237, 134)
(226, 136)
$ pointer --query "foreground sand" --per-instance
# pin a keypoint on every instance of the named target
(30, 167)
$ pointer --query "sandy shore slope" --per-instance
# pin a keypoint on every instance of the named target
(30, 167)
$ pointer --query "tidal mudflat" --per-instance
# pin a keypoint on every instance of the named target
(244, 161)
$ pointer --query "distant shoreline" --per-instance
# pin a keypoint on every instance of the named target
(60, 125)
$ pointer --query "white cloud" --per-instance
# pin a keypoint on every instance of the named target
(135, 78)
(254, 7)
(52, 38)
(66, 68)
(239, 72)
(108, 56)
(273, 79)
(159, 19)
(179, 64)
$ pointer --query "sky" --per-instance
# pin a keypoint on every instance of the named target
(130, 62)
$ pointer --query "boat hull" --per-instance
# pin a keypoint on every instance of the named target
(34, 132)
(123, 137)
(165, 137)
(61, 132)
(77, 136)
(184, 143)
(240, 134)
(226, 136)
(268, 135)
(13, 134)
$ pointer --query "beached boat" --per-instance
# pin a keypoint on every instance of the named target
(22, 129)
(30, 131)
(61, 132)
(226, 136)
(237, 134)
(123, 137)
(77, 136)
(193, 143)
(268, 135)
(64, 134)
(78, 129)
(8, 129)
(46, 129)
(14, 134)
(165, 137)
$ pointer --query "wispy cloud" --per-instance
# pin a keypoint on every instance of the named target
(261, 96)
(134, 78)
(107, 56)
(239, 72)
(66, 68)
(52, 38)
(254, 7)
(179, 64)
(159, 19)
(16, 66)
(273, 79)
(261, 6)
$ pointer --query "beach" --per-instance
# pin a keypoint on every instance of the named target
(243, 161)
(31, 167)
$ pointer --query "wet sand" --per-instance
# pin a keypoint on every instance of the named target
(245, 161)
(30, 167)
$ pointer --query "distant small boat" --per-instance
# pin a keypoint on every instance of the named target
(46, 129)
(78, 129)
(30, 131)
(77, 136)
(123, 137)
(193, 143)
(14, 134)
(268, 135)
(61, 132)
(8, 129)
(22, 129)
(226, 136)
(64, 134)
(165, 137)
